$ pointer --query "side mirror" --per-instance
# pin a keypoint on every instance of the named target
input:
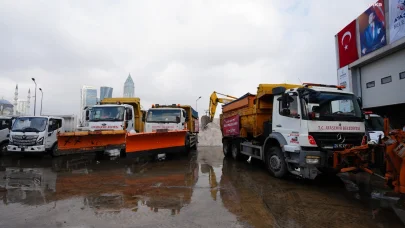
(360, 102)
(286, 112)
(177, 119)
(186, 119)
(285, 101)
(143, 118)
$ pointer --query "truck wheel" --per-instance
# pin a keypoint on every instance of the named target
(187, 145)
(54, 150)
(195, 147)
(236, 151)
(3, 148)
(226, 149)
(275, 162)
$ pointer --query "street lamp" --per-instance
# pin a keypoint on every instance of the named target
(42, 96)
(196, 103)
(35, 101)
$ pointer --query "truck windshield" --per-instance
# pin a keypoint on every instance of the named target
(375, 123)
(330, 106)
(30, 124)
(107, 113)
(163, 116)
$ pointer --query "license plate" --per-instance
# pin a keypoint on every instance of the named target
(162, 130)
(341, 146)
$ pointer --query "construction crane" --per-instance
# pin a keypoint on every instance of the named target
(214, 100)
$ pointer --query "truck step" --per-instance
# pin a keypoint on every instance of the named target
(295, 161)
(251, 150)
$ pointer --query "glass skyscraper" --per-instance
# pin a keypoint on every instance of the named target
(105, 92)
(129, 87)
(88, 98)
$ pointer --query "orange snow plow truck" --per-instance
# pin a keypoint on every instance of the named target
(108, 123)
(168, 129)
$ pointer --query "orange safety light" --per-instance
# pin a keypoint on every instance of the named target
(178, 105)
(153, 106)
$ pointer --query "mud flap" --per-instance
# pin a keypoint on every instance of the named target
(89, 141)
(155, 142)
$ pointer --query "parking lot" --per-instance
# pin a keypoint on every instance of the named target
(201, 190)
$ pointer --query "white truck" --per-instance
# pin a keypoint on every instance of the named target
(107, 125)
(292, 128)
(5, 127)
(35, 134)
(174, 117)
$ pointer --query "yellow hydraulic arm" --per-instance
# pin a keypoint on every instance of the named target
(214, 100)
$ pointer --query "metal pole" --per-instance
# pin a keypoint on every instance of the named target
(42, 96)
(196, 104)
(35, 101)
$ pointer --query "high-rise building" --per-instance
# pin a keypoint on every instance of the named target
(129, 87)
(105, 92)
(22, 107)
(88, 98)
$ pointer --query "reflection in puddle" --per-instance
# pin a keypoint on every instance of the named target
(201, 190)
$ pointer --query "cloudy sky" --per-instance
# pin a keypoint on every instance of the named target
(175, 50)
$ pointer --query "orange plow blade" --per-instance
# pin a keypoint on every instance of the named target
(89, 141)
(158, 142)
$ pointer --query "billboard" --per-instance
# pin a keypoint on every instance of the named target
(347, 44)
(231, 126)
(372, 28)
(396, 19)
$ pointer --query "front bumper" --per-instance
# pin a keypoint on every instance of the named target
(310, 171)
(28, 149)
(323, 155)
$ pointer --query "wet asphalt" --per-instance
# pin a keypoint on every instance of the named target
(200, 190)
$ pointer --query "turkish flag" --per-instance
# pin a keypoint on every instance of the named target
(347, 45)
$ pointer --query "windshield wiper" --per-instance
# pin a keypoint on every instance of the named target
(30, 129)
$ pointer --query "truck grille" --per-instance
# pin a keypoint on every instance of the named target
(25, 140)
(328, 139)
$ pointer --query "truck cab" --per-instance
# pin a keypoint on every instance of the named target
(5, 127)
(316, 120)
(112, 117)
(35, 134)
(293, 128)
(165, 118)
(374, 127)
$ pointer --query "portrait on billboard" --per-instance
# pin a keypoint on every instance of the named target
(372, 28)
(397, 19)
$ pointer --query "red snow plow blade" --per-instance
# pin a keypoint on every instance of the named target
(156, 142)
(90, 141)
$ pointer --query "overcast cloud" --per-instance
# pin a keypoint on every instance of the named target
(175, 50)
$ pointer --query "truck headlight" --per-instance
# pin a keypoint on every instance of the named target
(312, 160)
(40, 141)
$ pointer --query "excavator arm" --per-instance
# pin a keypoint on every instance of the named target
(214, 100)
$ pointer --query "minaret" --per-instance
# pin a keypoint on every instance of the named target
(28, 101)
(15, 100)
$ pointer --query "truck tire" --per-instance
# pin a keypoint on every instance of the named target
(226, 148)
(187, 145)
(3, 148)
(235, 149)
(275, 162)
(195, 147)
(54, 150)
